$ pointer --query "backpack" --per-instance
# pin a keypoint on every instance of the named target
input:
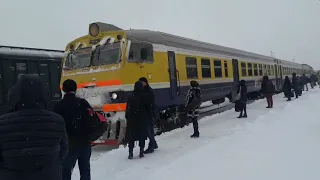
(97, 124)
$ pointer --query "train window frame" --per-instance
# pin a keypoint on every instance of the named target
(244, 69)
(226, 70)
(209, 75)
(190, 59)
(255, 70)
(137, 48)
(217, 69)
(260, 69)
(250, 73)
(269, 70)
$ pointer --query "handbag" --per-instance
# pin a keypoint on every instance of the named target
(239, 94)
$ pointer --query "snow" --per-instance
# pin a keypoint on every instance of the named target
(94, 70)
(104, 40)
(31, 52)
(279, 143)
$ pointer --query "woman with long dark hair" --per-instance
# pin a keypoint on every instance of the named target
(138, 113)
(287, 86)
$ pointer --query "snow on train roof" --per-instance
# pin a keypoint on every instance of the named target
(17, 51)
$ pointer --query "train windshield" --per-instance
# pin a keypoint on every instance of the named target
(79, 58)
(107, 54)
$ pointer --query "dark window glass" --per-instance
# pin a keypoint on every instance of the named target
(226, 73)
(217, 68)
(244, 69)
(192, 68)
(135, 52)
(79, 58)
(206, 68)
(260, 70)
(255, 69)
(250, 69)
(107, 54)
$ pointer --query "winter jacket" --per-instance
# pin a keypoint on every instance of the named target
(193, 102)
(138, 115)
(267, 87)
(155, 115)
(305, 80)
(243, 93)
(313, 78)
(33, 141)
(72, 109)
(287, 86)
(296, 83)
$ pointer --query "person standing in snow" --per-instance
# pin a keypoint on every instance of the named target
(138, 115)
(33, 140)
(286, 88)
(305, 80)
(267, 89)
(77, 114)
(193, 102)
(296, 85)
(242, 91)
(152, 142)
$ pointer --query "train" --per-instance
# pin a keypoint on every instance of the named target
(15, 61)
(108, 60)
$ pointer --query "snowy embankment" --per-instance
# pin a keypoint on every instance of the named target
(270, 143)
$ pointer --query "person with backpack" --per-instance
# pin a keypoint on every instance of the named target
(83, 126)
(267, 89)
(33, 140)
(193, 102)
(152, 141)
(138, 114)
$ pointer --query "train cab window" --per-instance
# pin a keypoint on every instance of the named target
(260, 70)
(192, 68)
(217, 68)
(255, 69)
(140, 52)
(107, 54)
(205, 68)
(226, 74)
(250, 69)
(243, 69)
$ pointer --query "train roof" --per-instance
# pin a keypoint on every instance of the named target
(157, 37)
(31, 52)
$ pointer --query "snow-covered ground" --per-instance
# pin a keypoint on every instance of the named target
(279, 143)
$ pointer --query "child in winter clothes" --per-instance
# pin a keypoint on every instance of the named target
(193, 102)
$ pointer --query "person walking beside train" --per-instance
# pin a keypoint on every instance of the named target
(305, 80)
(313, 80)
(296, 85)
(242, 99)
(287, 88)
(193, 102)
(33, 140)
(267, 89)
(138, 115)
(152, 141)
(77, 114)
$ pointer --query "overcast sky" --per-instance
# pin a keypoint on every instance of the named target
(289, 28)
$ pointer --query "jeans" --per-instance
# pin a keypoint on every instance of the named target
(82, 155)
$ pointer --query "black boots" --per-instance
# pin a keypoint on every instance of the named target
(243, 116)
(141, 155)
(196, 133)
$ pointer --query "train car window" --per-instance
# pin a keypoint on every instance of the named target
(265, 70)
(21, 68)
(55, 80)
(269, 70)
(140, 52)
(107, 54)
(217, 68)
(44, 74)
(192, 68)
(243, 69)
(32, 67)
(9, 78)
(260, 70)
(255, 69)
(250, 69)
(205, 68)
(226, 74)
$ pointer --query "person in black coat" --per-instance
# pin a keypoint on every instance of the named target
(296, 85)
(152, 141)
(33, 140)
(287, 86)
(267, 89)
(193, 102)
(242, 91)
(138, 114)
(74, 110)
(305, 80)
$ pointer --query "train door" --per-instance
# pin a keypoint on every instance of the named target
(280, 75)
(174, 89)
(236, 79)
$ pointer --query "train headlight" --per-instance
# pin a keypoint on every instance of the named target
(94, 29)
(114, 95)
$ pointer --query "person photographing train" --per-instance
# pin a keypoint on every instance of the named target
(193, 102)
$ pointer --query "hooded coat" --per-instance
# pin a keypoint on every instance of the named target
(287, 86)
(138, 113)
(33, 141)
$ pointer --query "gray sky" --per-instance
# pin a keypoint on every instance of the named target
(290, 28)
